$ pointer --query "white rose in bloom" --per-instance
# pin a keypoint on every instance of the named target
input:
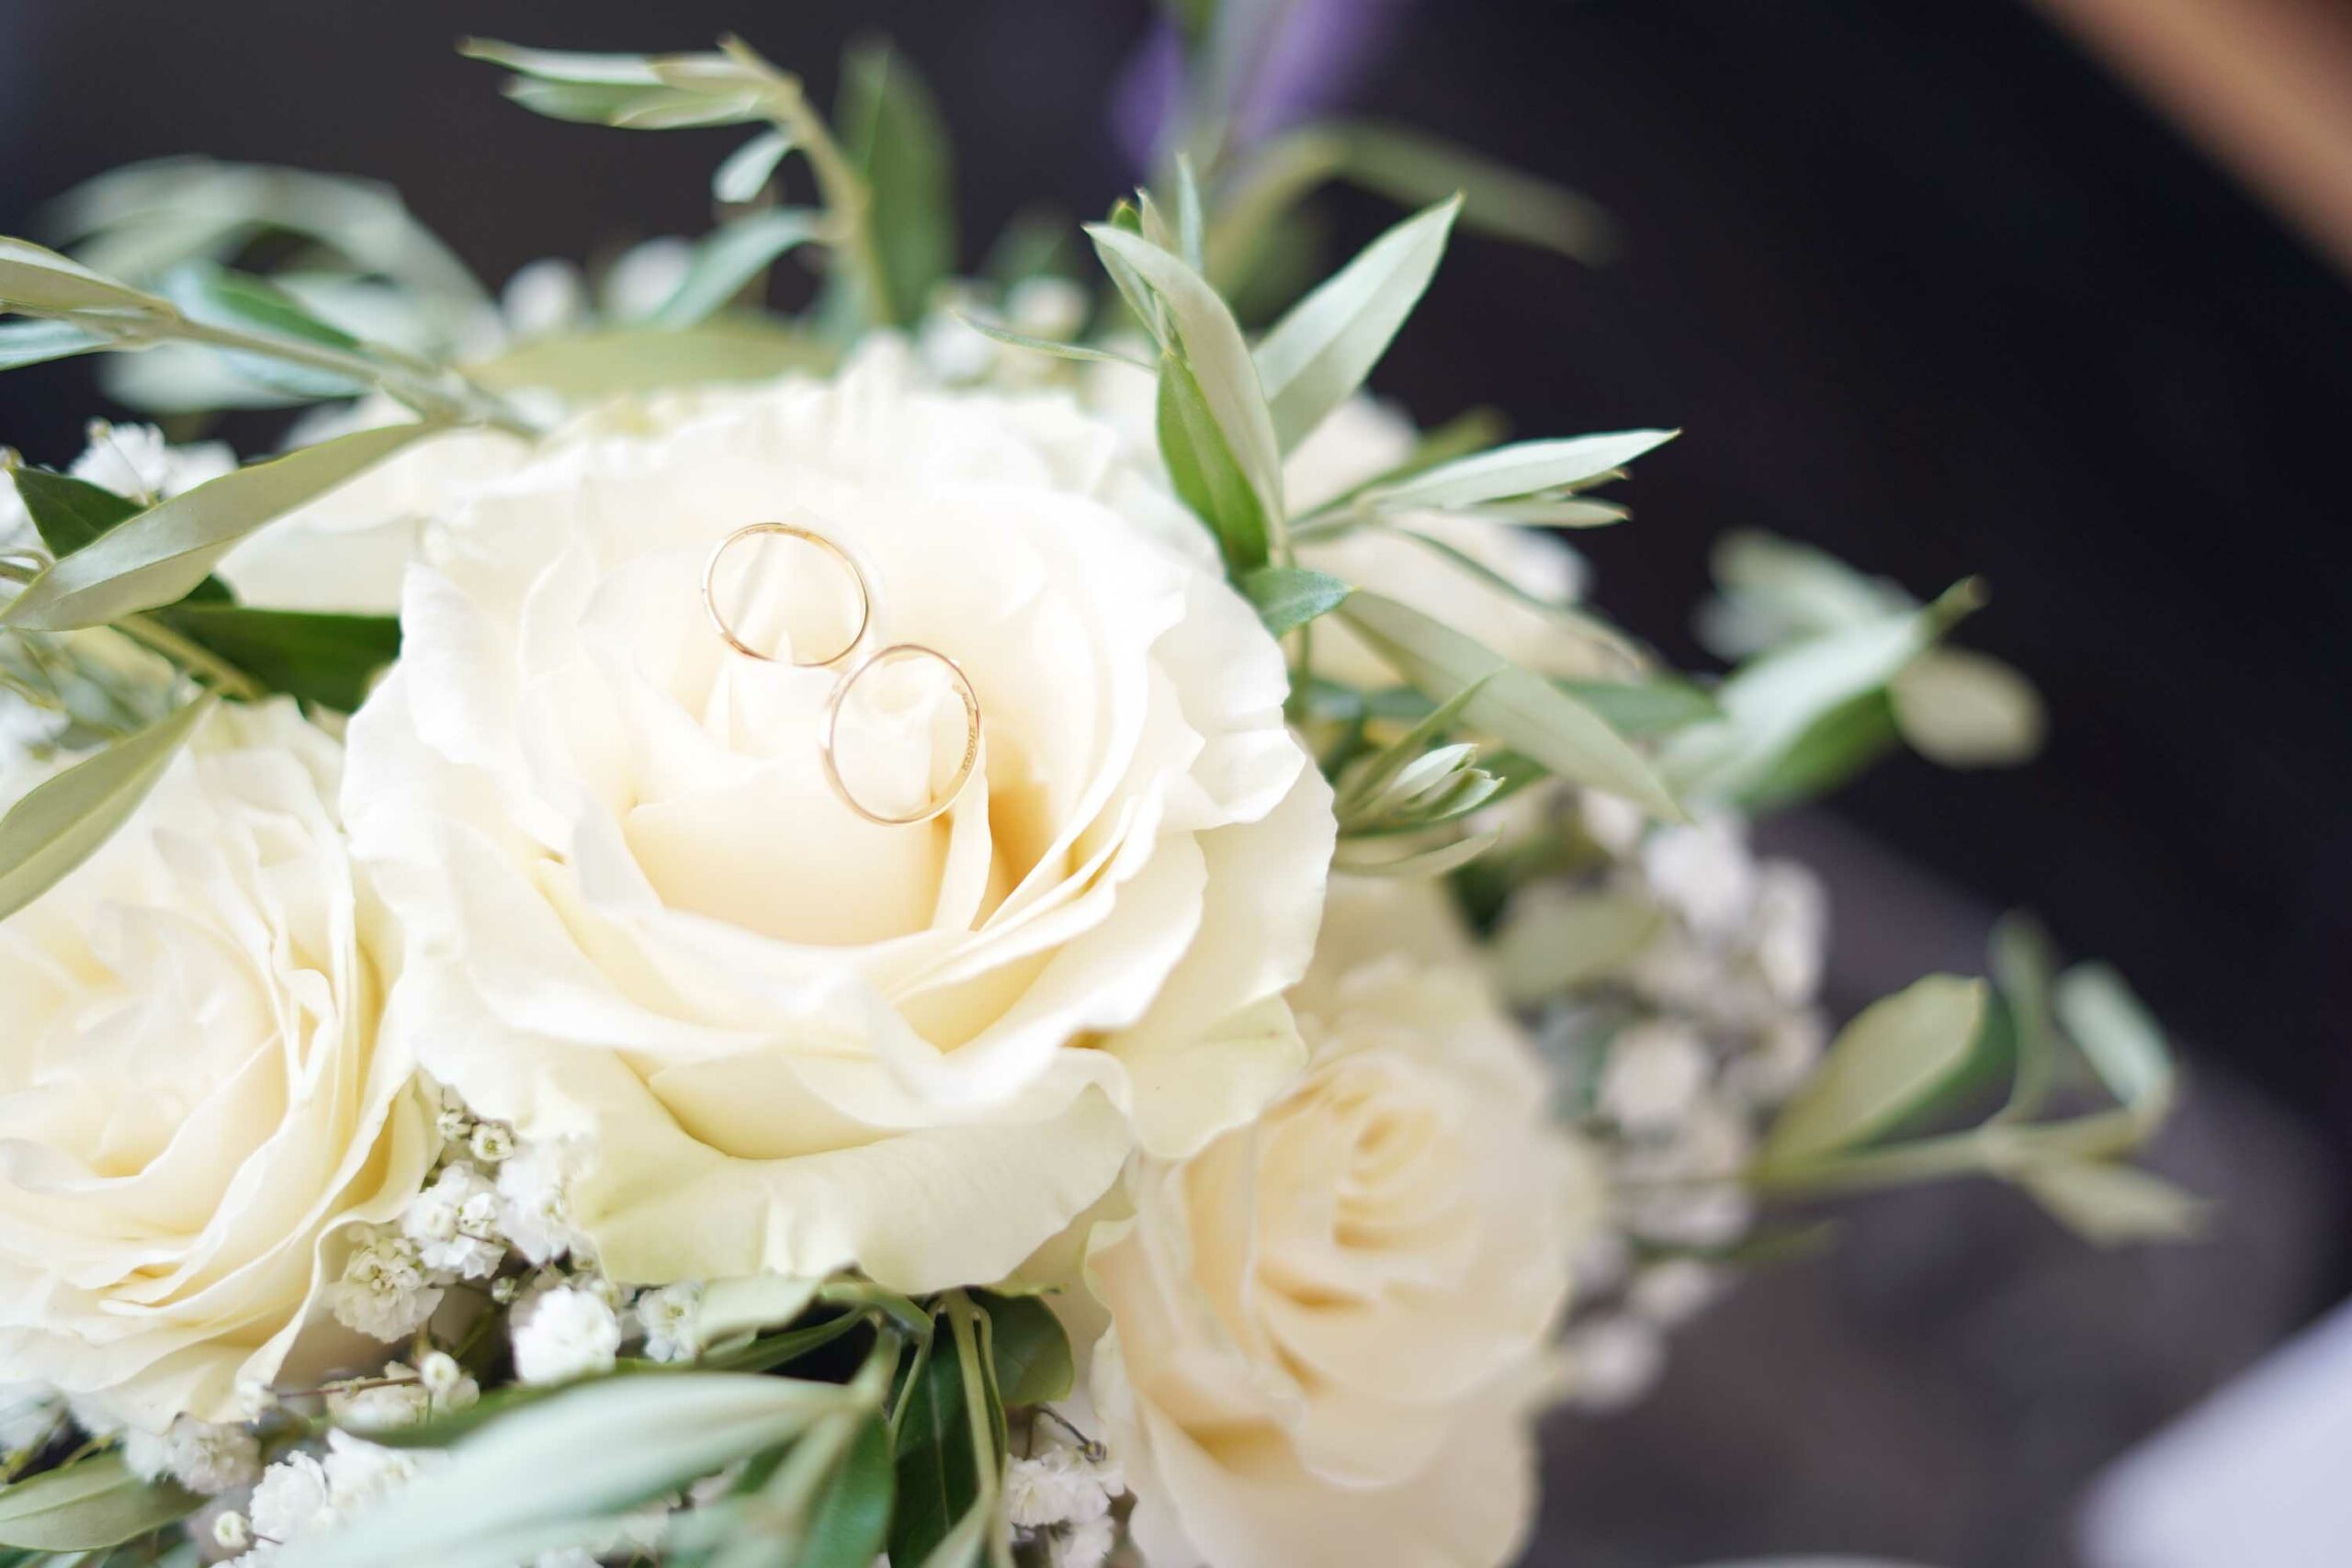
(788, 1038)
(1326, 1325)
(194, 1099)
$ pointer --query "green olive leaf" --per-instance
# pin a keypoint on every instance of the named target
(64, 819)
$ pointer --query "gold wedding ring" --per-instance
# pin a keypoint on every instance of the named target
(895, 653)
(900, 651)
(808, 536)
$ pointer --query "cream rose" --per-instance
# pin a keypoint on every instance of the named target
(794, 1040)
(194, 1095)
(1327, 1326)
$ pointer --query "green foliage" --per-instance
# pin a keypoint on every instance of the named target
(889, 126)
(1840, 669)
(169, 549)
(329, 660)
(64, 819)
(68, 512)
(1287, 597)
(937, 1467)
(547, 1476)
(87, 1505)
(731, 258)
(1208, 478)
(1213, 406)
(1317, 356)
(1521, 710)
(1896, 1056)
(39, 342)
(1033, 1363)
(1405, 167)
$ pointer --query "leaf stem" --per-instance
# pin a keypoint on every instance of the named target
(192, 657)
(841, 190)
(430, 389)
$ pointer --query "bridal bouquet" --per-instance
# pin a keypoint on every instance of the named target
(996, 920)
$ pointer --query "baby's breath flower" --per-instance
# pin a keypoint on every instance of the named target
(440, 1373)
(563, 1333)
(202, 1456)
(384, 1293)
(231, 1531)
(1088, 1543)
(670, 1317)
(535, 1209)
(491, 1142)
(454, 1224)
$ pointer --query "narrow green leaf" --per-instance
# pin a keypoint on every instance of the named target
(749, 167)
(1391, 857)
(1413, 168)
(630, 108)
(36, 279)
(889, 125)
(1835, 748)
(2116, 1206)
(562, 65)
(901, 1313)
(325, 658)
(87, 1505)
(62, 821)
(1771, 703)
(731, 258)
(1078, 351)
(935, 1465)
(1658, 704)
(1319, 354)
(68, 512)
(588, 366)
(226, 297)
(1205, 473)
(1896, 1056)
(1030, 1350)
(1521, 710)
(1524, 468)
(1190, 225)
(1551, 946)
(2123, 1041)
(2020, 956)
(166, 550)
(38, 342)
(1287, 597)
(591, 1452)
(1963, 709)
(852, 1521)
(1213, 349)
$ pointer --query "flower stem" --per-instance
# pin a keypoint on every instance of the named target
(847, 201)
(192, 657)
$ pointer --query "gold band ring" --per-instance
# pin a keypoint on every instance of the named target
(971, 733)
(790, 531)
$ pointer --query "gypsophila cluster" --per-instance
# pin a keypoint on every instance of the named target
(1061, 1493)
(1671, 1059)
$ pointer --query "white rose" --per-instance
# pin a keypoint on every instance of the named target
(792, 1040)
(1327, 1326)
(194, 1100)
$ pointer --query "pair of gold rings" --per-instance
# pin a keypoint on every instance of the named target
(897, 652)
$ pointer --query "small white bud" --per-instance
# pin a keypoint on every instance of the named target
(231, 1531)
(491, 1142)
(440, 1372)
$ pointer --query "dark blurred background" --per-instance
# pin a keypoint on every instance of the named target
(1931, 285)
